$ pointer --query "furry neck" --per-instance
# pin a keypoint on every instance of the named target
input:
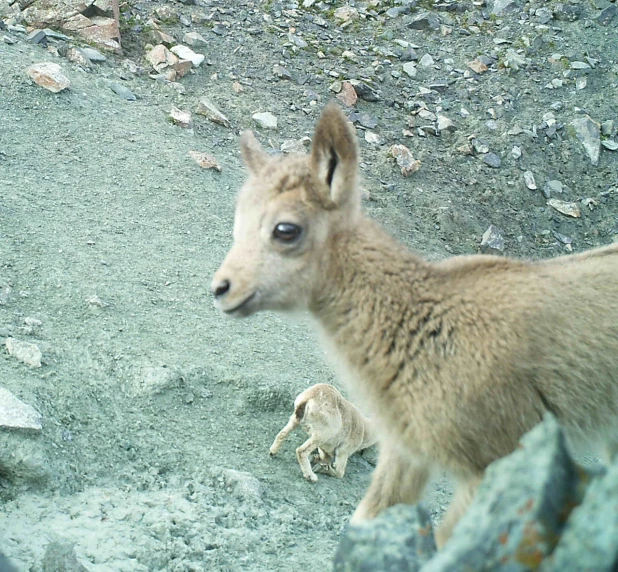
(371, 286)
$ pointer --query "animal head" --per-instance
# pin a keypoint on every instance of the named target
(286, 213)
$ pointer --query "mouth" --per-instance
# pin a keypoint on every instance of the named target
(239, 307)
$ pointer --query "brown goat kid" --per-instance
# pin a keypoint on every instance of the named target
(456, 359)
(335, 427)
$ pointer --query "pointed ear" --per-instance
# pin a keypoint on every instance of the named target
(334, 156)
(252, 152)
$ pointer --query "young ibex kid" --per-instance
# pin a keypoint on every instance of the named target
(456, 359)
(336, 428)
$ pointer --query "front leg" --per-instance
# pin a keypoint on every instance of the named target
(396, 480)
(302, 454)
(464, 495)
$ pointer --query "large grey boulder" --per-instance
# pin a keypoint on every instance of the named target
(590, 538)
(398, 540)
(520, 509)
(535, 510)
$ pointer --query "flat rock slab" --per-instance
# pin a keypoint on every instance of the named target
(15, 414)
(28, 353)
(48, 75)
(589, 134)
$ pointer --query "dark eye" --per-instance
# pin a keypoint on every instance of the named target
(287, 232)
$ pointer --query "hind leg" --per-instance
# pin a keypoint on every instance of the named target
(464, 493)
(283, 434)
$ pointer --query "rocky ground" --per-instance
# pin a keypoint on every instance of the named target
(157, 413)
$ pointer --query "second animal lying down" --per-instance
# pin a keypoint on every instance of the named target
(336, 428)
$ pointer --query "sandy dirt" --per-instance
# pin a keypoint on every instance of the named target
(157, 412)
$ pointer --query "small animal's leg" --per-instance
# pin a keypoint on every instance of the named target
(395, 480)
(337, 468)
(321, 457)
(302, 454)
(283, 434)
(464, 494)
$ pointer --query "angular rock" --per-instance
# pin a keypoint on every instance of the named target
(37, 37)
(160, 57)
(567, 12)
(410, 69)
(364, 90)
(61, 557)
(49, 75)
(347, 95)
(163, 38)
(93, 55)
(589, 538)
(405, 160)
(492, 160)
(529, 180)
(365, 119)
(426, 61)
(209, 110)
(400, 539)
(186, 53)
(480, 146)
(607, 127)
(346, 13)
(513, 60)
(423, 21)
(505, 6)
(15, 414)
(492, 241)
(373, 138)
(97, 29)
(205, 161)
(445, 124)
(266, 120)
(588, 133)
(25, 352)
(76, 56)
(477, 66)
(568, 209)
(552, 187)
(610, 144)
(519, 510)
(180, 117)
(194, 40)
(122, 91)
(298, 146)
(607, 15)
(281, 72)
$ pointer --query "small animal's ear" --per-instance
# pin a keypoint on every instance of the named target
(334, 156)
(252, 152)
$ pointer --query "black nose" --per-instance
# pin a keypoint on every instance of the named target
(222, 288)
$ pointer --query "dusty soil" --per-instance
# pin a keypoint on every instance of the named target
(157, 412)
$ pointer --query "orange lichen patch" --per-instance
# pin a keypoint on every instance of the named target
(425, 531)
(536, 543)
(527, 507)
(503, 538)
